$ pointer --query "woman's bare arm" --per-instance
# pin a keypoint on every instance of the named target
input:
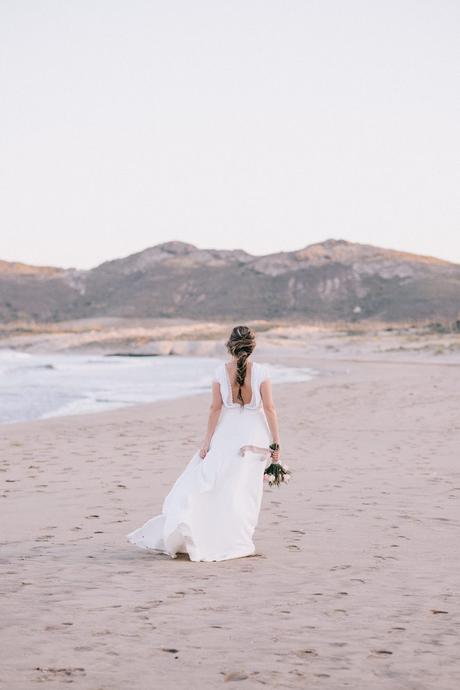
(214, 414)
(270, 413)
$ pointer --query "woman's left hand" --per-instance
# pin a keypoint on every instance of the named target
(203, 452)
(275, 455)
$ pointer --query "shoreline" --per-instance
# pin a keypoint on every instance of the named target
(142, 406)
(320, 367)
(57, 385)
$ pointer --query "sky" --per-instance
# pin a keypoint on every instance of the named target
(265, 125)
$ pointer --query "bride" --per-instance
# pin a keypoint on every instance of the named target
(213, 507)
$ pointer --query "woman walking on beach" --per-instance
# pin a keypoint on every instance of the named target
(213, 507)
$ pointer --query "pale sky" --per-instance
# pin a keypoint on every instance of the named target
(264, 125)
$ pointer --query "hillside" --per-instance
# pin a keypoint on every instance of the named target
(328, 281)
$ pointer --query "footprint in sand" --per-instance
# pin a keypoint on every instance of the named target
(148, 606)
(51, 673)
(306, 653)
(235, 675)
(101, 633)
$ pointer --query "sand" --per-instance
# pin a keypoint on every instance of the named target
(355, 582)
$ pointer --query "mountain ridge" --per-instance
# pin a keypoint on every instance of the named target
(329, 280)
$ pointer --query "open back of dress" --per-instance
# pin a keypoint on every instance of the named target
(258, 374)
(244, 389)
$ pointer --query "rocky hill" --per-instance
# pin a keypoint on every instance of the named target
(328, 281)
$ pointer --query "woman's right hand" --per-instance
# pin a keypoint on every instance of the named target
(203, 452)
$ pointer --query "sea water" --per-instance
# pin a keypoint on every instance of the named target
(35, 386)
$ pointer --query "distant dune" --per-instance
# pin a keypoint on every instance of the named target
(329, 281)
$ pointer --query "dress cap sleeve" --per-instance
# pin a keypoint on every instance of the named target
(264, 374)
(216, 377)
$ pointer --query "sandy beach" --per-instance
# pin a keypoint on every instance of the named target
(355, 582)
(190, 184)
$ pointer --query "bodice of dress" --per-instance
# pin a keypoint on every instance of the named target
(259, 374)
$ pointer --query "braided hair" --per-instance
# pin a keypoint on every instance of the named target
(240, 344)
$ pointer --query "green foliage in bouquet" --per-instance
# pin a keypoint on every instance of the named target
(276, 473)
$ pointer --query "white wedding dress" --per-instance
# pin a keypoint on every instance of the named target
(213, 507)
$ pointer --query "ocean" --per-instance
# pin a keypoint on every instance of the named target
(36, 386)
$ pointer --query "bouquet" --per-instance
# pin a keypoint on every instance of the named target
(275, 473)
